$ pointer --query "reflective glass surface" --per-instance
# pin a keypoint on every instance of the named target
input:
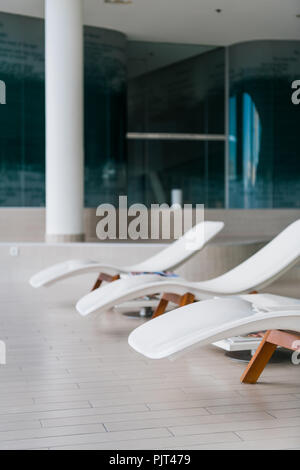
(264, 157)
(172, 88)
(186, 96)
(22, 124)
(175, 89)
(157, 167)
(22, 119)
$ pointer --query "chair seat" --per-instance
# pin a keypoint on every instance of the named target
(69, 268)
(209, 321)
(167, 259)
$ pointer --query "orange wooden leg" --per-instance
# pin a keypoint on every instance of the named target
(104, 277)
(186, 299)
(269, 343)
(97, 283)
(180, 300)
(259, 361)
(161, 308)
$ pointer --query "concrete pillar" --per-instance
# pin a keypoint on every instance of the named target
(64, 121)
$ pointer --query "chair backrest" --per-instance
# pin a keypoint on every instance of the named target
(263, 267)
(182, 249)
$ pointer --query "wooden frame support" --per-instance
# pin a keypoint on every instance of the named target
(265, 351)
(104, 277)
(180, 300)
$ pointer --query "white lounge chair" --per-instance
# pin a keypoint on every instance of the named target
(215, 319)
(167, 259)
(256, 272)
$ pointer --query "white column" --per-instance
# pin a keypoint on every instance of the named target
(64, 120)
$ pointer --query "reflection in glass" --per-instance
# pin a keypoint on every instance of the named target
(251, 146)
(157, 167)
(186, 96)
(22, 126)
(176, 89)
(105, 116)
(172, 88)
(22, 119)
(264, 148)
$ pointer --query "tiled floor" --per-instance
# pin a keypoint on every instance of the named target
(72, 383)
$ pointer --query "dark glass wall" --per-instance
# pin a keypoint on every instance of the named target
(22, 123)
(22, 119)
(105, 116)
(264, 157)
(185, 97)
(172, 88)
(157, 167)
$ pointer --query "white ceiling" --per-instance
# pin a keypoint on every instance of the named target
(186, 21)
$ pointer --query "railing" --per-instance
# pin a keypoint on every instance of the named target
(169, 136)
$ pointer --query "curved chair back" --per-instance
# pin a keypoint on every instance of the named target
(263, 267)
(182, 249)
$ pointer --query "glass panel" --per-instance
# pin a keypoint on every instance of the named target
(172, 88)
(22, 126)
(22, 119)
(264, 148)
(145, 57)
(183, 96)
(105, 116)
(157, 167)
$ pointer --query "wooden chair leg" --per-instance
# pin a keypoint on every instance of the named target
(180, 300)
(104, 277)
(187, 299)
(161, 308)
(97, 283)
(266, 349)
(259, 361)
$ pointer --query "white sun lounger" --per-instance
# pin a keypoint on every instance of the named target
(167, 259)
(256, 272)
(212, 320)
